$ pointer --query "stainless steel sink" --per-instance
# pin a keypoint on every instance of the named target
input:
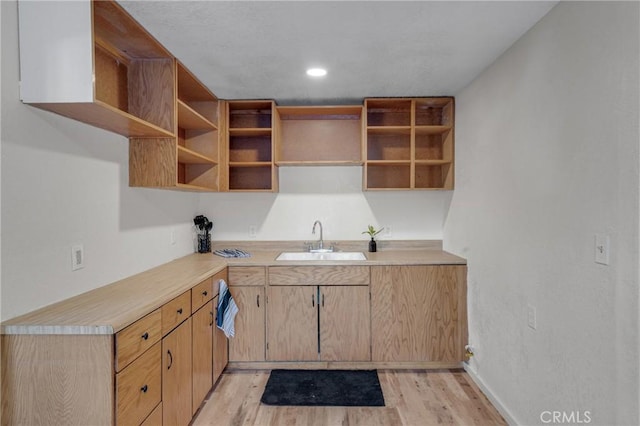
(336, 255)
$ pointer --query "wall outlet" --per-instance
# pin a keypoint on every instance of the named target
(601, 247)
(531, 317)
(253, 231)
(387, 232)
(77, 257)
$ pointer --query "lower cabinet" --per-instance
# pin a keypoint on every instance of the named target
(249, 341)
(202, 324)
(318, 323)
(220, 348)
(418, 313)
(176, 376)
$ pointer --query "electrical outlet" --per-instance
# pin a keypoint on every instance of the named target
(77, 257)
(253, 231)
(602, 249)
(531, 317)
(387, 232)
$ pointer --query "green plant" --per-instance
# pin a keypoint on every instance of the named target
(371, 231)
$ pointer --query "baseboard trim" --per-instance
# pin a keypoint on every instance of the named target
(504, 412)
(341, 365)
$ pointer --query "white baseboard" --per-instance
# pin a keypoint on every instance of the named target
(504, 412)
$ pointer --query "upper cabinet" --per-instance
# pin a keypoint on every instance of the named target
(408, 143)
(251, 129)
(319, 135)
(92, 62)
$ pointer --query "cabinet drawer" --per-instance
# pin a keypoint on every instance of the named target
(176, 311)
(319, 275)
(139, 387)
(222, 275)
(247, 275)
(137, 338)
(155, 418)
(201, 294)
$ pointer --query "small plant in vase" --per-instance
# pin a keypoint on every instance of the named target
(371, 231)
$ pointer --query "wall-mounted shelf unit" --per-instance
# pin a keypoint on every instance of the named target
(190, 160)
(114, 61)
(319, 136)
(408, 143)
(251, 127)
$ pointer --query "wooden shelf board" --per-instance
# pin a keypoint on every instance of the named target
(104, 116)
(432, 162)
(432, 130)
(188, 118)
(188, 156)
(249, 105)
(257, 131)
(381, 130)
(251, 164)
(193, 188)
(318, 163)
(388, 162)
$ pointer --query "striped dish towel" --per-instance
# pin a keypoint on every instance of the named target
(227, 310)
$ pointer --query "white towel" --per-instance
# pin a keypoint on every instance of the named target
(227, 310)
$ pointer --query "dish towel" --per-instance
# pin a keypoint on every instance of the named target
(227, 310)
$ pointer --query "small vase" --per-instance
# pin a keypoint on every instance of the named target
(373, 247)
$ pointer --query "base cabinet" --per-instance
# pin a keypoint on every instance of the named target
(318, 323)
(249, 341)
(418, 313)
(176, 376)
(202, 333)
(220, 349)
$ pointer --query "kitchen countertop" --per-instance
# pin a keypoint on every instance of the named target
(109, 309)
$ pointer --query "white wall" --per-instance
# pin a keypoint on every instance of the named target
(547, 156)
(65, 183)
(334, 196)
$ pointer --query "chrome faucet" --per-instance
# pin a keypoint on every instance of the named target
(313, 231)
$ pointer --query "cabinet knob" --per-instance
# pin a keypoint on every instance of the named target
(180, 311)
(144, 389)
(145, 336)
(204, 293)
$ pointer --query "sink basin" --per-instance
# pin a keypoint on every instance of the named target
(336, 255)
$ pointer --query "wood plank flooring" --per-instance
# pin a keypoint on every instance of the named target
(412, 398)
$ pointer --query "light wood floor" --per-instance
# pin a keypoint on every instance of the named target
(412, 398)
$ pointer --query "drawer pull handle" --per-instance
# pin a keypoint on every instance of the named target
(144, 389)
(323, 300)
(313, 300)
(145, 336)
(180, 311)
(211, 322)
(170, 360)
(204, 293)
(258, 300)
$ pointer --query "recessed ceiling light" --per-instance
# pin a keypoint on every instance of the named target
(316, 72)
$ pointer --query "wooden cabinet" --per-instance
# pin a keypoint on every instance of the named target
(418, 313)
(176, 376)
(319, 135)
(311, 322)
(203, 324)
(409, 143)
(114, 62)
(247, 288)
(220, 349)
(250, 128)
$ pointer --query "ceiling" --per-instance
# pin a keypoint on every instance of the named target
(261, 49)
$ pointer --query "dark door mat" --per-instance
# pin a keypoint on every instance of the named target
(342, 388)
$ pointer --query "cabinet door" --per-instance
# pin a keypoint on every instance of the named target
(220, 348)
(418, 313)
(176, 376)
(202, 334)
(249, 341)
(292, 323)
(345, 326)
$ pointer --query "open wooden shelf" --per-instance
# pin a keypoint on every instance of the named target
(409, 143)
(250, 148)
(319, 135)
(187, 156)
(189, 118)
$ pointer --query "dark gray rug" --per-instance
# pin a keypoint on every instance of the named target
(342, 388)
